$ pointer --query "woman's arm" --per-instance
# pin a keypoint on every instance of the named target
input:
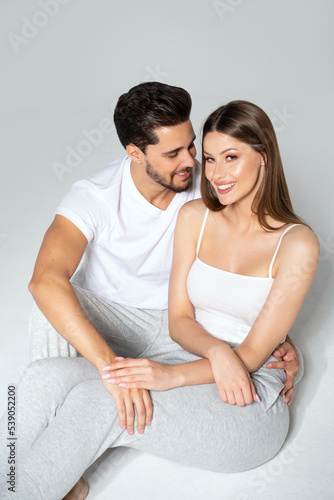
(182, 325)
(230, 372)
(295, 267)
(152, 375)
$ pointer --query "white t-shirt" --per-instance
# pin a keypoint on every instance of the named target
(129, 253)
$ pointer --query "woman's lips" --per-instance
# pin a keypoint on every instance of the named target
(225, 187)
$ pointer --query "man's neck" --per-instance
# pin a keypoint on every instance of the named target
(154, 193)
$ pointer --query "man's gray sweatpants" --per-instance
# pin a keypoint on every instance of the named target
(66, 419)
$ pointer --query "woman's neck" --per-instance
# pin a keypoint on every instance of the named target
(241, 216)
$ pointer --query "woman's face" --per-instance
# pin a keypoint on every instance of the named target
(234, 168)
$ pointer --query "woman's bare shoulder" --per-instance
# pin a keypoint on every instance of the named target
(302, 237)
(190, 218)
(194, 208)
(300, 245)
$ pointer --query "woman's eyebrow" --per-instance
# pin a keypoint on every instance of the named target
(225, 151)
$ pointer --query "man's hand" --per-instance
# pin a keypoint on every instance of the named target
(140, 374)
(129, 401)
(290, 363)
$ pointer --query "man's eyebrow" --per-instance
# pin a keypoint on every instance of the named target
(177, 149)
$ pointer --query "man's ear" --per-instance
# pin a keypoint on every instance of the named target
(134, 153)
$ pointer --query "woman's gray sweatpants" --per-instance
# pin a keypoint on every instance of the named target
(66, 419)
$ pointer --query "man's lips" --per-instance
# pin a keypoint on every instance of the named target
(183, 174)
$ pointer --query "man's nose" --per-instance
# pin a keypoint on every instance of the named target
(188, 159)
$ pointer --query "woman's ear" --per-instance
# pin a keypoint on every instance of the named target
(264, 159)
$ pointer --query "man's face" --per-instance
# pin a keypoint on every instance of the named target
(170, 162)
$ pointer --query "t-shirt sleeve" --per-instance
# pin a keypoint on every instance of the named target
(80, 205)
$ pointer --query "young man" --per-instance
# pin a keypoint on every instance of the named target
(122, 220)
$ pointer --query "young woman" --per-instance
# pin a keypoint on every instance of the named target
(242, 265)
(243, 260)
(218, 408)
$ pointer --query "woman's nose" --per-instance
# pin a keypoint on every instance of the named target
(219, 172)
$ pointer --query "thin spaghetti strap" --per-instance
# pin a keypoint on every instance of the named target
(277, 248)
(201, 233)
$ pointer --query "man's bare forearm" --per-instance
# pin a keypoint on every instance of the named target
(56, 299)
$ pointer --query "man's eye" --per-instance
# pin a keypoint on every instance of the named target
(173, 155)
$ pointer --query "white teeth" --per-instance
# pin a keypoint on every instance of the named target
(182, 173)
(225, 186)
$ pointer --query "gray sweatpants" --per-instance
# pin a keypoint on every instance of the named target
(66, 419)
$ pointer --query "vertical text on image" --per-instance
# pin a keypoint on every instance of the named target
(11, 439)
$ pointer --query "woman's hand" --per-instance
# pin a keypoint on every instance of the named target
(232, 378)
(139, 374)
(129, 401)
(288, 361)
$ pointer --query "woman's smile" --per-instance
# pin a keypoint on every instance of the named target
(225, 187)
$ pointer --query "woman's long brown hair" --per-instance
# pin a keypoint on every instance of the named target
(248, 123)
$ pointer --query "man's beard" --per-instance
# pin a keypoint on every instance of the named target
(169, 185)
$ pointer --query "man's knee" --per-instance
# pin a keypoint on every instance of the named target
(37, 369)
(48, 374)
(91, 396)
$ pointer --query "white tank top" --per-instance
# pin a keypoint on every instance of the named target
(226, 304)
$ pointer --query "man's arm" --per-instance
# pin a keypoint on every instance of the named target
(58, 258)
(60, 254)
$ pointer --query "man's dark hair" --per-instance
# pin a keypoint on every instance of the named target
(146, 107)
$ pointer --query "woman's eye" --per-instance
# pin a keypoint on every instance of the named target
(209, 160)
(231, 157)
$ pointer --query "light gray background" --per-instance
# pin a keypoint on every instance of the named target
(62, 78)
